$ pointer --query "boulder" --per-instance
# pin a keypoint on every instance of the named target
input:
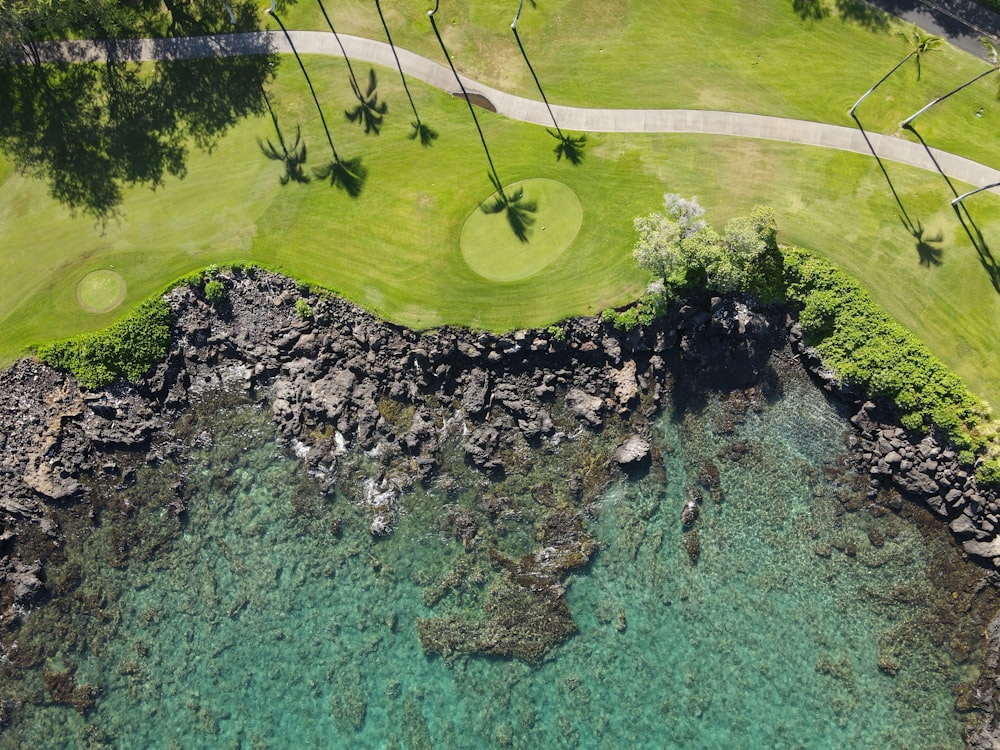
(585, 406)
(635, 450)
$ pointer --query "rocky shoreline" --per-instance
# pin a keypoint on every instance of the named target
(342, 384)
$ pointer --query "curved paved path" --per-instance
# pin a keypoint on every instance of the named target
(529, 110)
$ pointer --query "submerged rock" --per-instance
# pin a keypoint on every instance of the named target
(635, 450)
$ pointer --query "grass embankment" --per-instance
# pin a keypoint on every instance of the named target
(396, 248)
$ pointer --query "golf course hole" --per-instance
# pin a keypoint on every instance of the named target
(100, 291)
(491, 247)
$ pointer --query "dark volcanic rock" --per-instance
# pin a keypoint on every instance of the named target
(349, 391)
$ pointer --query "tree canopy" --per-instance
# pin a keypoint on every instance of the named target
(680, 248)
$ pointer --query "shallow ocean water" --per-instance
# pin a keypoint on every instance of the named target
(259, 627)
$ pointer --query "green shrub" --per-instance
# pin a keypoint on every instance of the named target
(126, 349)
(557, 332)
(988, 474)
(215, 292)
(863, 345)
(303, 309)
(642, 312)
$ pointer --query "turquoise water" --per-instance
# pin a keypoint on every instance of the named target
(261, 625)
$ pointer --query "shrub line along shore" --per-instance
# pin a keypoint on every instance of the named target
(331, 373)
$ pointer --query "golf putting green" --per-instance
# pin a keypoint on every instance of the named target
(493, 250)
(100, 291)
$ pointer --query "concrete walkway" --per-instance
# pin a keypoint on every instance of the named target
(583, 119)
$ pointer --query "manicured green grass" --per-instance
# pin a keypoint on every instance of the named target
(743, 55)
(494, 251)
(396, 248)
(101, 291)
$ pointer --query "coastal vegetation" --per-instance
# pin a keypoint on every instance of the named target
(860, 344)
(124, 350)
(407, 265)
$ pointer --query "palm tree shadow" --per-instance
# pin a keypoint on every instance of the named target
(424, 133)
(928, 254)
(369, 111)
(347, 174)
(519, 212)
(904, 216)
(571, 147)
(293, 157)
(986, 258)
(930, 154)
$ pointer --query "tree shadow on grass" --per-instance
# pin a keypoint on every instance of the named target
(90, 130)
(904, 216)
(291, 155)
(986, 257)
(929, 255)
(934, 161)
(872, 18)
(811, 10)
(347, 174)
(518, 210)
(570, 147)
(369, 110)
(857, 11)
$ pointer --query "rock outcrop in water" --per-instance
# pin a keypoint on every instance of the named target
(342, 384)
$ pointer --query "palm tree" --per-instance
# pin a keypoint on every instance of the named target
(347, 174)
(992, 56)
(569, 146)
(369, 111)
(293, 158)
(921, 43)
(420, 130)
(517, 209)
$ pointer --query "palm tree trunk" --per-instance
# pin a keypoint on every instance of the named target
(907, 221)
(350, 69)
(963, 196)
(465, 94)
(906, 123)
(882, 80)
(274, 119)
(934, 161)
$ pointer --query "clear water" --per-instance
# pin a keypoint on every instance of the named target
(259, 627)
